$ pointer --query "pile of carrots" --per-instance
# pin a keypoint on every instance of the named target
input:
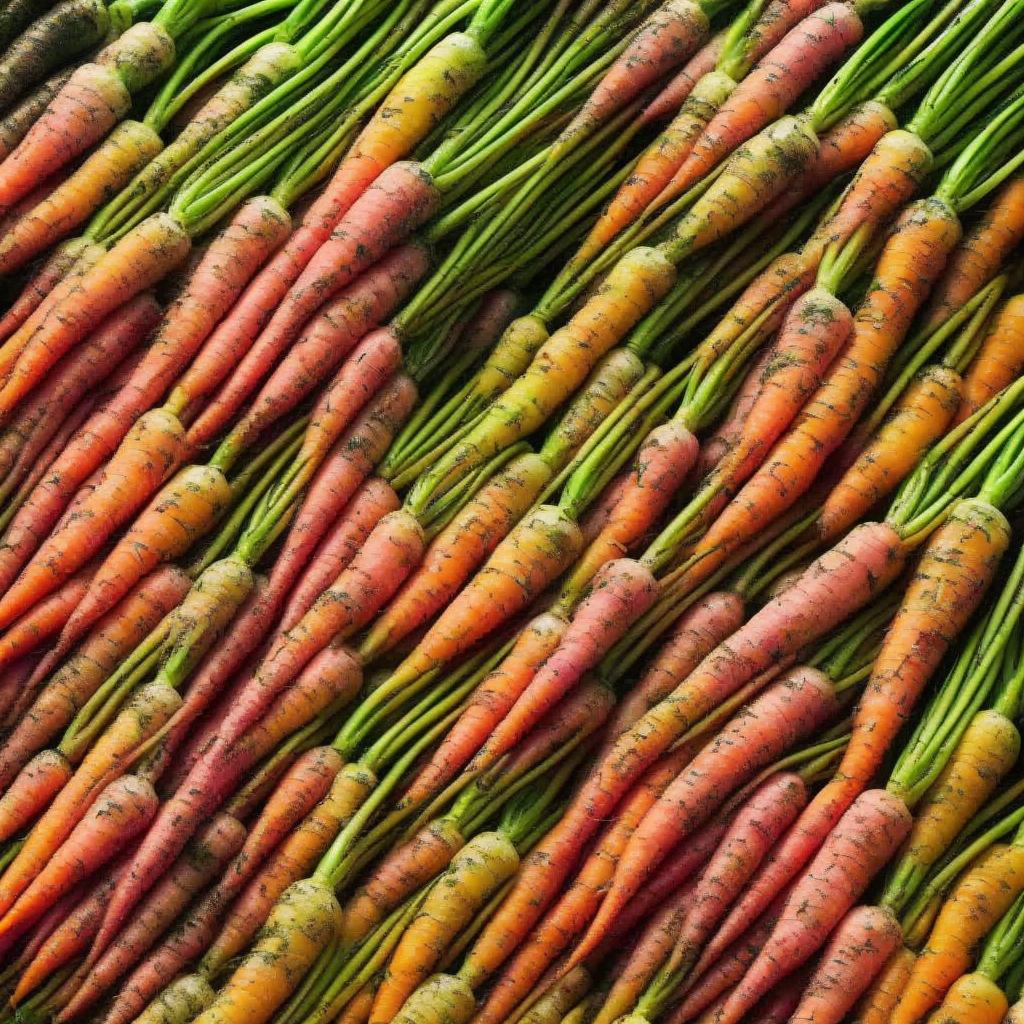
(511, 511)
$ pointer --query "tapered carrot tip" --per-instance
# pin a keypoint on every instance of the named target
(442, 999)
(179, 1003)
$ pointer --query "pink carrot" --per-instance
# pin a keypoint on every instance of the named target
(674, 93)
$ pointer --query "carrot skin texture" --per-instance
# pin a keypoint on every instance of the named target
(999, 360)
(678, 88)
(179, 1002)
(973, 999)
(880, 1000)
(38, 782)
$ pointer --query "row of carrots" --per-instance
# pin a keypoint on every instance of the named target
(510, 511)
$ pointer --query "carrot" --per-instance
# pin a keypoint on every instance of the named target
(399, 874)
(141, 463)
(292, 860)
(999, 360)
(858, 847)
(878, 1003)
(471, 536)
(374, 500)
(972, 999)
(559, 367)
(597, 515)
(105, 171)
(441, 999)
(179, 1002)
(17, 120)
(978, 900)
(475, 872)
(983, 251)
(922, 416)
(148, 709)
(357, 1010)
(662, 464)
(140, 54)
(138, 260)
(38, 782)
(854, 956)
(675, 92)
(621, 591)
(910, 261)
(187, 507)
(487, 706)
(199, 864)
(328, 338)
(71, 686)
(44, 619)
(785, 712)
(1013, 1015)
(560, 997)
(121, 811)
(303, 921)
(701, 628)
(768, 91)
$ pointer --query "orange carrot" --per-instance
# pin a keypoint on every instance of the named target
(854, 852)
(20, 117)
(147, 455)
(972, 999)
(38, 782)
(855, 955)
(322, 344)
(103, 174)
(457, 551)
(784, 713)
(121, 811)
(880, 1000)
(978, 900)
(488, 705)
(621, 592)
(999, 360)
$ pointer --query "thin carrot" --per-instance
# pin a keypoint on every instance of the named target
(880, 1000)
(104, 172)
(457, 551)
(999, 360)
(140, 465)
(861, 843)
(37, 783)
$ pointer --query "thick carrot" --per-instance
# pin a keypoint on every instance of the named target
(854, 852)
(978, 900)
(855, 955)
(37, 783)
(999, 360)
(294, 859)
(471, 536)
(621, 591)
(769, 90)
(972, 999)
(869, 558)
(141, 463)
(399, 874)
(558, 368)
(321, 345)
(922, 416)
(785, 712)
(104, 172)
(487, 706)
(148, 709)
(303, 921)
(185, 509)
(121, 811)
(137, 261)
(200, 863)
(880, 1000)
(374, 500)
(475, 873)
(441, 999)
(662, 464)
(702, 627)
(227, 264)
(45, 618)
(982, 253)
(179, 1002)
(71, 686)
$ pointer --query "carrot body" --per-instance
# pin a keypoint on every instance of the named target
(179, 1002)
(999, 360)
(140, 465)
(40, 780)
(441, 999)
(489, 703)
(662, 464)
(104, 173)
(621, 592)
(978, 900)
(880, 1000)
(854, 852)
(20, 117)
(137, 261)
(322, 344)
(475, 872)
(921, 417)
(854, 956)
(667, 102)
(785, 712)
(972, 999)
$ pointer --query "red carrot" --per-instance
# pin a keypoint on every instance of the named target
(38, 782)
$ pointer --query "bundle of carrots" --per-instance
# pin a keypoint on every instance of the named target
(510, 510)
